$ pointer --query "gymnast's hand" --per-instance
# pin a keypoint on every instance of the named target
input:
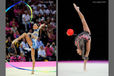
(79, 51)
(29, 33)
(76, 7)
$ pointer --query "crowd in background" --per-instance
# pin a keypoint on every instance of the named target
(18, 22)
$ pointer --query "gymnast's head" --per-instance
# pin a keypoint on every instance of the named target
(35, 26)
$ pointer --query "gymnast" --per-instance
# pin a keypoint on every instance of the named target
(83, 40)
(31, 41)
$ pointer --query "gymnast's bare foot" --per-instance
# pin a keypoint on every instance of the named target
(32, 72)
(85, 61)
(76, 7)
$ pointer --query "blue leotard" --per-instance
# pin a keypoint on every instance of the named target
(34, 40)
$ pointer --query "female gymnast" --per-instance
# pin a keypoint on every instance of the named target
(31, 41)
(83, 39)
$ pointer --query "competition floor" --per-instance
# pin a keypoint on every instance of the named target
(43, 67)
(75, 68)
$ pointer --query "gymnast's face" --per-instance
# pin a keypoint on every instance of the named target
(35, 26)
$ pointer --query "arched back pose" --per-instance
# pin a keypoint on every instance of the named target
(83, 39)
(31, 41)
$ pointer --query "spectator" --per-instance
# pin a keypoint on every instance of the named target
(34, 7)
(44, 5)
(40, 43)
(26, 19)
(13, 58)
(8, 44)
(41, 54)
(51, 36)
(36, 12)
(16, 34)
(25, 49)
(21, 58)
(39, 18)
(52, 23)
(17, 11)
(40, 5)
(14, 28)
(13, 22)
(48, 11)
(43, 35)
(53, 11)
(44, 17)
(10, 34)
(8, 28)
(49, 51)
(42, 10)
(53, 46)
(12, 50)
(7, 19)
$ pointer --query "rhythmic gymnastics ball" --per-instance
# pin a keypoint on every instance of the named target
(70, 32)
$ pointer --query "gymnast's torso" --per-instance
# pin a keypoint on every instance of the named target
(35, 34)
(34, 37)
(84, 36)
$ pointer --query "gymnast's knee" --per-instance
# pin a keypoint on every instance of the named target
(25, 34)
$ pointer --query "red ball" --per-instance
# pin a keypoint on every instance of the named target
(70, 32)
